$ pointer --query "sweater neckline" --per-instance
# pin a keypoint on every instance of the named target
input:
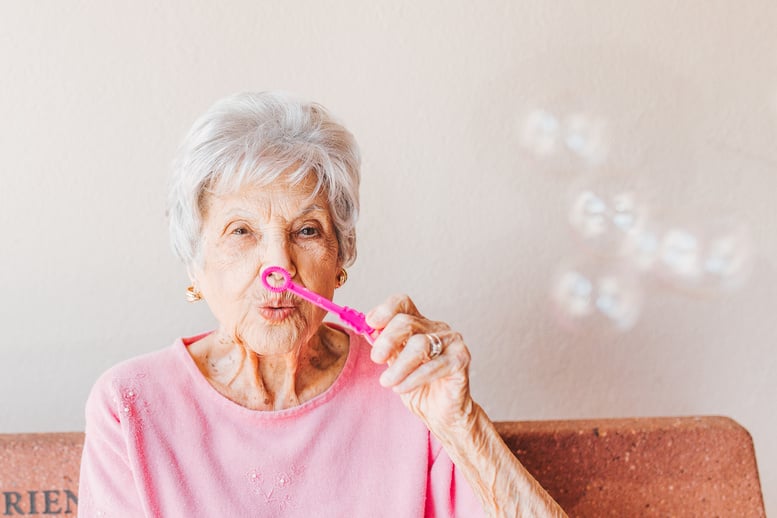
(205, 390)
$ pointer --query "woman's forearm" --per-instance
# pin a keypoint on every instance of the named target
(504, 486)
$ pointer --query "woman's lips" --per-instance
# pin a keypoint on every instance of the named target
(276, 312)
(277, 307)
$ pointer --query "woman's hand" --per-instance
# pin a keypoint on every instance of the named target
(436, 389)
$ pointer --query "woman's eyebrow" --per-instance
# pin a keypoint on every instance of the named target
(242, 213)
(311, 208)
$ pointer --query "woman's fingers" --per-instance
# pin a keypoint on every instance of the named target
(420, 353)
(395, 335)
(381, 315)
(413, 367)
(423, 375)
(413, 354)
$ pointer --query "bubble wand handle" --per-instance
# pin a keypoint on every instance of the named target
(354, 319)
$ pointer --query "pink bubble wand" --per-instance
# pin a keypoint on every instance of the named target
(354, 319)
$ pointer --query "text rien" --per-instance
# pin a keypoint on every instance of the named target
(41, 502)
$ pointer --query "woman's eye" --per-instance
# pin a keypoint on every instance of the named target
(240, 231)
(308, 231)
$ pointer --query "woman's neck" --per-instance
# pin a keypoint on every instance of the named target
(276, 382)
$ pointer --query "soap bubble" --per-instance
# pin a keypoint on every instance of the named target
(564, 138)
(589, 296)
(729, 258)
(605, 212)
(680, 253)
(713, 255)
(642, 246)
(585, 136)
(541, 133)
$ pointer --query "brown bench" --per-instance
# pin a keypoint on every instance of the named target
(691, 466)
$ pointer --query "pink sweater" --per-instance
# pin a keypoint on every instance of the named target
(160, 441)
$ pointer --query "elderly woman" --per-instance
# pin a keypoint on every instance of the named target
(276, 412)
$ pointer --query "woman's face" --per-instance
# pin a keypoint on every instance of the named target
(245, 232)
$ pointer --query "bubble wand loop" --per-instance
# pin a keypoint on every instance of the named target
(354, 319)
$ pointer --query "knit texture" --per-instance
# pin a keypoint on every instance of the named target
(162, 442)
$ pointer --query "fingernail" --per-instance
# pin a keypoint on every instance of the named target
(370, 318)
(385, 379)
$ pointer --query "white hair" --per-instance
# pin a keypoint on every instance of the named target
(254, 138)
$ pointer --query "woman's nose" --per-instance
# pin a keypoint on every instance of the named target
(277, 252)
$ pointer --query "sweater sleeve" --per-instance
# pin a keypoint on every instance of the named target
(107, 486)
(448, 493)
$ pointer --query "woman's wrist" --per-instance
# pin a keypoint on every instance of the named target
(464, 429)
(457, 424)
(497, 477)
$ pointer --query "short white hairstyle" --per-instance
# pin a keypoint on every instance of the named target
(252, 138)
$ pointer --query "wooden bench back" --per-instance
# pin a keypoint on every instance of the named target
(691, 466)
(695, 466)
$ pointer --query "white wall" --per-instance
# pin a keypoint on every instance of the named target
(94, 97)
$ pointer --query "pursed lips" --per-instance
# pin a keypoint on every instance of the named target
(277, 304)
(277, 311)
(278, 301)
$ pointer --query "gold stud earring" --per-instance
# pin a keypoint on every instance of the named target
(193, 294)
(342, 276)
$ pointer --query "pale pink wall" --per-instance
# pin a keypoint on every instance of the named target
(457, 211)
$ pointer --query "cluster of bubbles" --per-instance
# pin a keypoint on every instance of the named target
(623, 240)
(588, 295)
(715, 256)
(577, 136)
